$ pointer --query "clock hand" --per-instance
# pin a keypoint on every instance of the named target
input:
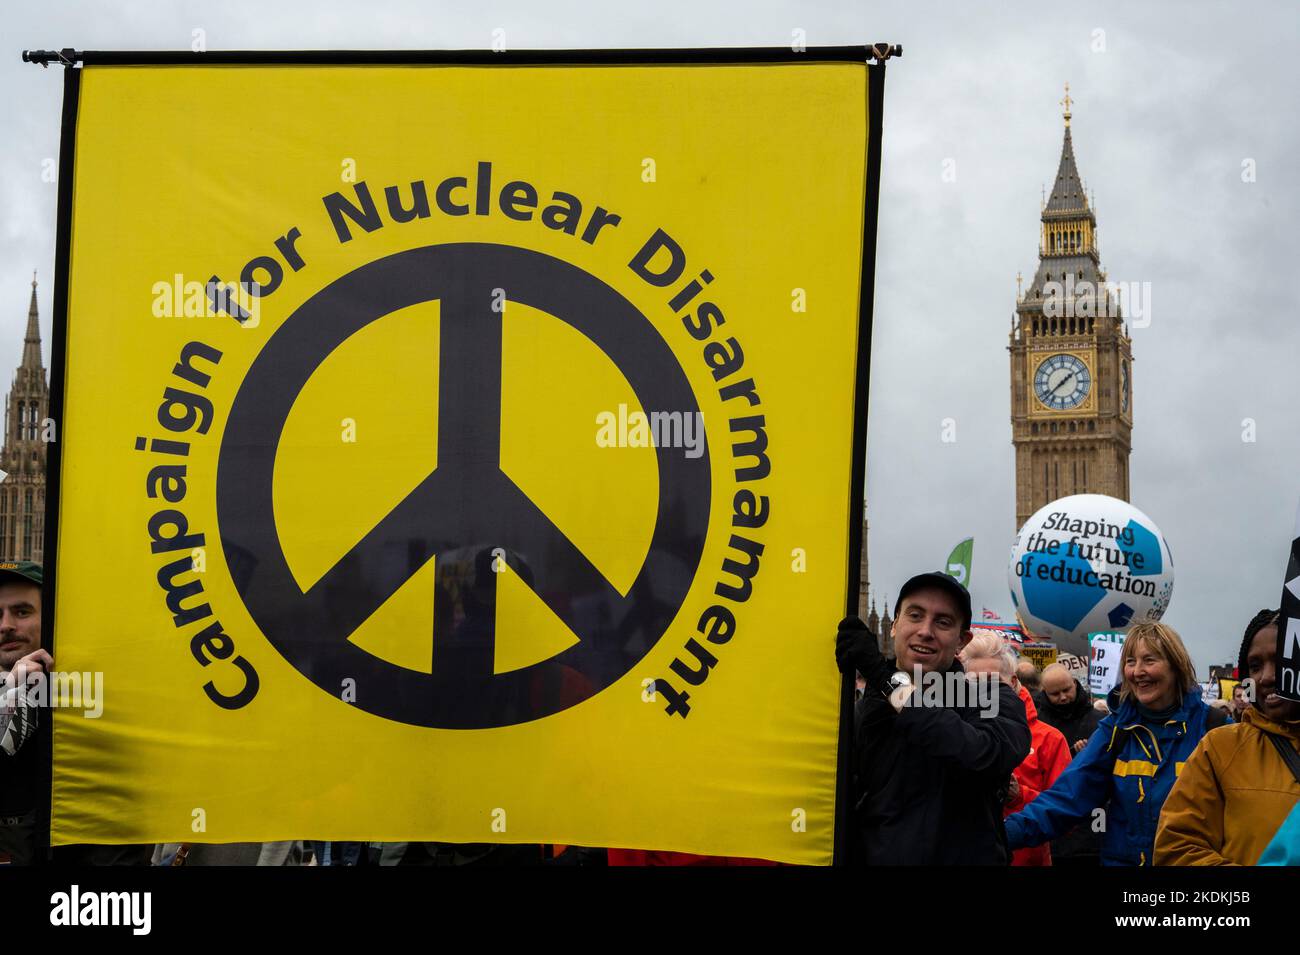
(1064, 380)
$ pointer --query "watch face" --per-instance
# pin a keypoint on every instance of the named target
(1123, 386)
(1062, 382)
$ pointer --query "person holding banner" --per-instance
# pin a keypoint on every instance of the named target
(1239, 785)
(19, 769)
(22, 659)
(20, 655)
(1119, 781)
(930, 769)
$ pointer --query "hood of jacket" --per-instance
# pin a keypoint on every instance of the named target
(1031, 711)
(1254, 716)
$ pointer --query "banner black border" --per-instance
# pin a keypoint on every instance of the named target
(858, 471)
(54, 452)
(658, 57)
(622, 57)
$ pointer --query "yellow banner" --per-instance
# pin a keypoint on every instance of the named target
(1041, 655)
(460, 453)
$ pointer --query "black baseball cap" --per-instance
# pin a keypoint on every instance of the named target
(938, 581)
(25, 570)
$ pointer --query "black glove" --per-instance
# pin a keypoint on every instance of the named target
(856, 648)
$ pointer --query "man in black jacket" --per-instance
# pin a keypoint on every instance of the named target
(20, 654)
(930, 768)
(1065, 704)
(21, 787)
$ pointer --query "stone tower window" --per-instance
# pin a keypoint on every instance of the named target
(27, 525)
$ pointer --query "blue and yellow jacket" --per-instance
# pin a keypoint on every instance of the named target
(1126, 771)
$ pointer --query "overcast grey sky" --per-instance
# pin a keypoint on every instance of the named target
(1163, 118)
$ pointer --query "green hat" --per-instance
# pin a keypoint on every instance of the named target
(25, 570)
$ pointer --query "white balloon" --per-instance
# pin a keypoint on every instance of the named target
(1086, 563)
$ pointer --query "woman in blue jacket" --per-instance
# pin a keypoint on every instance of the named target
(1118, 782)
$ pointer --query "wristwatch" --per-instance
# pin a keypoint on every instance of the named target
(898, 690)
(899, 679)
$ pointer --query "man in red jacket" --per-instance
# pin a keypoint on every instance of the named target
(1049, 753)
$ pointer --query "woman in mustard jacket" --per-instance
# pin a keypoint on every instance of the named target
(1236, 789)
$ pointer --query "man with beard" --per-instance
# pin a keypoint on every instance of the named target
(1066, 705)
(929, 779)
(20, 655)
(21, 740)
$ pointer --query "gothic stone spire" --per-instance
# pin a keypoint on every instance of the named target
(32, 341)
(1067, 191)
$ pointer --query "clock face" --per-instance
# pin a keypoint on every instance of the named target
(1062, 382)
(1123, 386)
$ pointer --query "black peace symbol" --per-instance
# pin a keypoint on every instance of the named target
(467, 507)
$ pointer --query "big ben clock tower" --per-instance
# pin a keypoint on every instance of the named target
(1071, 359)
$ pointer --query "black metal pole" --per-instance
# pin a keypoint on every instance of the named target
(858, 471)
(873, 52)
(54, 457)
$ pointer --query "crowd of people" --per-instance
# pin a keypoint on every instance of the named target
(1033, 772)
(1161, 778)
